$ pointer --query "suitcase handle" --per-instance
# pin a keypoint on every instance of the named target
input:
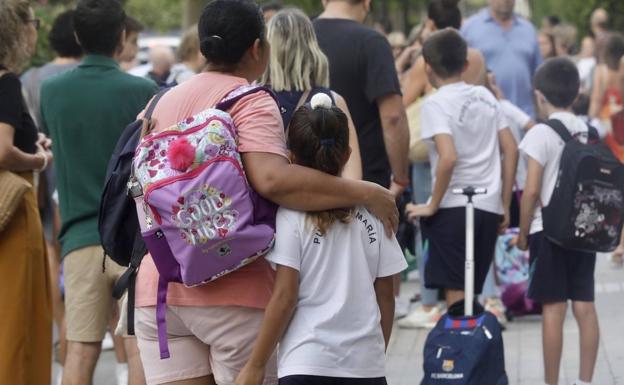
(469, 192)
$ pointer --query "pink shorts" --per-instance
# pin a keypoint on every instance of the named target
(202, 341)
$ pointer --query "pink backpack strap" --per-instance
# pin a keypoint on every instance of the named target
(233, 97)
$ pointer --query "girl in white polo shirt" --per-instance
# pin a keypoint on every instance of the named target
(333, 304)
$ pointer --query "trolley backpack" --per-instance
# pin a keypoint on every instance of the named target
(466, 345)
(586, 211)
(200, 218)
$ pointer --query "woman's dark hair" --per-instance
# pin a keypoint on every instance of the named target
(445, 13)
(227, 28)
(551, 42)
(319, 138)
(62, 38)
(614, 50)
(99, 25)
(558, 80)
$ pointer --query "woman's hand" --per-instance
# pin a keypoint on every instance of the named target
(250, 375)
(382, 204)
(44, 142)
(44, 153)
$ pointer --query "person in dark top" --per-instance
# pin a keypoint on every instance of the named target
(362, 71)
(26, 333)
(298, 70)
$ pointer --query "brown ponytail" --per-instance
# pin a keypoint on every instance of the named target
(319, 139)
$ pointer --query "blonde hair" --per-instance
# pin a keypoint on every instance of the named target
(189, 47)
(296, 60)
(14, 48)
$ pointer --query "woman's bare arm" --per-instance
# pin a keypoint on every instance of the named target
(353, 168)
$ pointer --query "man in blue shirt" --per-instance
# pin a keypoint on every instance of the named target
(509, 44)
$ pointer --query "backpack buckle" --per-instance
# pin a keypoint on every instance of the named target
(134, 188)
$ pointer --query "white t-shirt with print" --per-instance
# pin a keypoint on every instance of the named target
(335, 330)
(545, 146)
(473, 117)
(517, 120)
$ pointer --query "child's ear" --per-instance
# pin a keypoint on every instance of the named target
(465, 66)
(348, 154)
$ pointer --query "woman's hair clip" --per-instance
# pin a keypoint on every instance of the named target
(217, 37)
(320, 100)
(327, 142)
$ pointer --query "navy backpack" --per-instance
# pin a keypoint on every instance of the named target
(465, 350)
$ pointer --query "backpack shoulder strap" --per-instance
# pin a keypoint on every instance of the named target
(592, 134)
(233, 97)
(147, 125)
(560, 129)
(150, 108)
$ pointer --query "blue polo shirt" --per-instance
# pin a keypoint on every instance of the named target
(511, 54)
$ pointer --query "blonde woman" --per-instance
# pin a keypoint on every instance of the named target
(191, 60)
(298, 69)
(26, 332)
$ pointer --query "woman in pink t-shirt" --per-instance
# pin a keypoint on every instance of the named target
(211, 328)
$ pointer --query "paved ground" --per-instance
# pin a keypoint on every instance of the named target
(522, 339)
(522, 343)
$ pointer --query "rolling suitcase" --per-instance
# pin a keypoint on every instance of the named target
(466, 345)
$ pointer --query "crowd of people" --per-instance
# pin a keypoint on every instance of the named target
(361, 122)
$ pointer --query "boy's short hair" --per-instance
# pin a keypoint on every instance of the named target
(99, 25)
(558, 80)
(133, 25)
(446, 52)
(62, 37)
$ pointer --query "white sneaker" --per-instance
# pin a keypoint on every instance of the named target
(420, 318)
(401, 308)
(121, 372)
(107, 342)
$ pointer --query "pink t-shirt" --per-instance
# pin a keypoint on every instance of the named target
(260, 129)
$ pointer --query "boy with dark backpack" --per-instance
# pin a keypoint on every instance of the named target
(559, 270)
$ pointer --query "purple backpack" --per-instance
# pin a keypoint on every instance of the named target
(199, 216)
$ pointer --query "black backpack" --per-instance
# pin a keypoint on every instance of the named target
(118, 223)
(586, 210)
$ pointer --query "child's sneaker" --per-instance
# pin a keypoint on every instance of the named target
(496, 307)
(420, 318)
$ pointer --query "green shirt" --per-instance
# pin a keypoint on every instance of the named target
(85, 110)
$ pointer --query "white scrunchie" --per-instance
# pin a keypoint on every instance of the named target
(320, 100)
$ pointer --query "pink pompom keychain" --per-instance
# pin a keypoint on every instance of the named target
(181, 154)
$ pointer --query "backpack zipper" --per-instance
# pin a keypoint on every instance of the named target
(166, 133)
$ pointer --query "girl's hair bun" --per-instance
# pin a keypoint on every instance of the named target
(320, 100)
(450, 3)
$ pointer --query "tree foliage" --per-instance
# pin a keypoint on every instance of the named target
(578, 12)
